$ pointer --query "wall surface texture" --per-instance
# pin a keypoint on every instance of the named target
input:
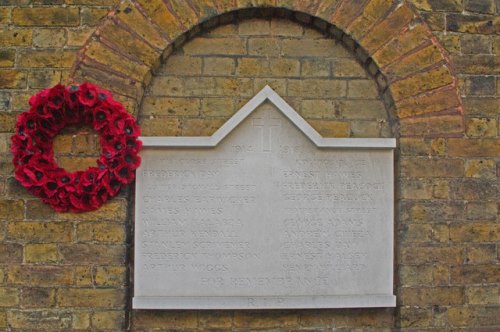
(424, 71)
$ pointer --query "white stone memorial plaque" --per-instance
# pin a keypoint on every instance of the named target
(264, 214)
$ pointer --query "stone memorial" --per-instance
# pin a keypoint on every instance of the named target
(264, 214)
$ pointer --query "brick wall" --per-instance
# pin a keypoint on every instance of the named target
(70, 272)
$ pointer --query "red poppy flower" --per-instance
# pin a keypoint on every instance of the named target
(50, 111)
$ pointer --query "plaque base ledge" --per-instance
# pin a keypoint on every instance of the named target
(262, 302)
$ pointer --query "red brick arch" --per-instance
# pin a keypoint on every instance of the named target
(388, 37)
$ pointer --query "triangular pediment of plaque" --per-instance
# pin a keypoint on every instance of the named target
(268, 94)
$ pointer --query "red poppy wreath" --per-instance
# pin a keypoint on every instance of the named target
(33, 155)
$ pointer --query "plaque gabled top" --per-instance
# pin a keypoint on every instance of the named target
(268, 94)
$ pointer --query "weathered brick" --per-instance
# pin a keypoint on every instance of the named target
(254, 27)
(38, 210)
(84, 275)
(263, 319)
(113, 320)
(110, 276)
(346, 12)
(106, 56)
(475, 274)
(7, 120)
(421, 82)
(44, 38)
(83, 253)
(77, 36)
(480, 85)
(432, 254)
(414, 62)
(216, 46)
(438, 5)
(46, 59)
(201, 127)
(415, 317)
(160, 126)
(9, 297)
(171, 106)
(480, 168)
(44, 78)
(331, 128)
(312, 47)
(41, 253)
(162, 16)
(277, 84)
(475, 189)
(416, 275)
(481, 210)
(458, 147)
(366, 89)
(5, 15)
(420, 167)
(11, 210)
(128, 44)
(88, 297)
(472, 23)
(218, 107)
(219, 66)
(182, 65)
(318, 109)
(168, 86)
(103, 231)
(347, 68)
(394, 22)
(39, 320)
(434, 101)
(284, 67)
(91, 16)
(432, 295)
(13, 79)
(317, 88)
(401, 44)
(432, 126)
(152, 319)
(424, 233)
(476, 232)
(7, 58)
(481, 254)
(372, 12)
(482, 294)
(481, 127)
(38, 297)
(431, 211)
(248, 67)
(315, 68)
(286, 28)
(242, 87)
(46, 16)
(264, 46)
(81, 320)
(40, 275)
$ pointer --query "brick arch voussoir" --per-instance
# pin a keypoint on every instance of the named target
(412, 69)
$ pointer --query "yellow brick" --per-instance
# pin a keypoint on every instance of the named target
(16, 37)
(55, 16)
(7, 58)
(41, 253)
(160, 126)
(110, 275)
(215, 46)
(365, 89)
(312, 47)
(83, 275)
(90, 297)
(39, 320)
(49, 38)
(218, 107)
(73, 164)
(281, 27)
(171, 106)
(46, 59)
(285, 67)
(151, 319)
(264, 46)
(318, 109)
(252, 67)
(113, 320)
(254, 27)
(38, 297)
(421, 82)
(13, 79)
(201, 127)
(40, 275)
(331, 128)
(482, 295)
(242, 87)
(475, 232)
(315, 68)
(432, 295)
(76, 37)
(277, 84)
(81, 320)
(480, 168)
(317, 88)
(9, 297)
(11, 210)
(168, 86)
(219, 66)
(481, 127)
(182, 65)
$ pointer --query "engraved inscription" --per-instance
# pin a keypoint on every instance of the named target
(264, 215)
